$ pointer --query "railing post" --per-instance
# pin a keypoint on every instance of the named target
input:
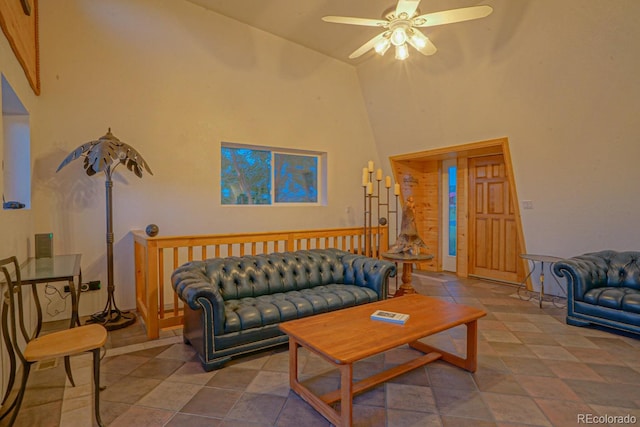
(153, 327)
(140, 260)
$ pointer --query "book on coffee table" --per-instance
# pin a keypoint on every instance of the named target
(390, 316)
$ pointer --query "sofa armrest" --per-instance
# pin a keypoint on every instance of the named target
(369, 272)
(191, 284)
(582, 273)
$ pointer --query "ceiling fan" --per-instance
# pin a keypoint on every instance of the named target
(400, 27)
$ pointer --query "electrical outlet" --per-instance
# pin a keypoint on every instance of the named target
(527, 204)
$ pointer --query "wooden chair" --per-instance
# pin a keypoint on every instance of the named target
(51, 346)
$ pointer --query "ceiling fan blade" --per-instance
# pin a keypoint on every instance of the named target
(356, 21)
(451, 16)
(367, 46)
(421, 43)
(407, 6)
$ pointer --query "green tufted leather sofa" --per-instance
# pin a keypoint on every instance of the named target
(234, 305)
(603, 288)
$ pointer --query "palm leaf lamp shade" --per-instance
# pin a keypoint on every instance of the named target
(104, 155)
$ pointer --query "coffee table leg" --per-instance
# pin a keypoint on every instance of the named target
(470, 363)
(293, 363)
(346, 394)
(344, 418)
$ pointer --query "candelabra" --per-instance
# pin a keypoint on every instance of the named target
(368, 190)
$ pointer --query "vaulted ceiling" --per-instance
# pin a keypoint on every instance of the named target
(300, 21)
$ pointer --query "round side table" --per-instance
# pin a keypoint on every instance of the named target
(407, 261)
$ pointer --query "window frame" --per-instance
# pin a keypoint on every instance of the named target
(321, 173)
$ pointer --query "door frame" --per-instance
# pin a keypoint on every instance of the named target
(420, 169)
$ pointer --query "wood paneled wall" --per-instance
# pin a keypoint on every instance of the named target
(21, 31)
(420, 179)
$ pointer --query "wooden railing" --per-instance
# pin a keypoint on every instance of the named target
(157, 257)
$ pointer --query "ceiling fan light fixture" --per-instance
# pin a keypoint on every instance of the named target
(382, 46)
(418, 39)
(401, 25)
(402, 52)
(398, 36)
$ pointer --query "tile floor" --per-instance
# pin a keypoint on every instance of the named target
(534, 370)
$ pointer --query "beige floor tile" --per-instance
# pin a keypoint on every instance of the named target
(596, 355)
(499, 336)
(551, 352)
(527, 366)
(572, 370)
(410, 398)
(498, 382)
(485, 324)
(547, 388)
(516, 409)
(563, 413)
(522, 327)
(169, 395)
(192, 373)
(572, 340)
(269, 382)
(512, 349)
(140, 416)
(538, 338)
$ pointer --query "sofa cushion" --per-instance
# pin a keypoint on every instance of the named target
(252, 312)
(623, 268)
(253, 276)
(619, 298)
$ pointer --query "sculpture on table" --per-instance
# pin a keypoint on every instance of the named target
(408, 241)
(104, 155)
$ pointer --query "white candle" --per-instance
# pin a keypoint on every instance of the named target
(365, 176)
(370, 165)
(396, 189)
(387, 182)
(379, 175)
(370, 188)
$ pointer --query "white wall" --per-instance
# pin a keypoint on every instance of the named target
(560, 80)
(173, 81)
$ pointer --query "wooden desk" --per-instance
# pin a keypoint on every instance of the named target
(343, 337)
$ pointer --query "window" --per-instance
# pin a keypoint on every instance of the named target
(259, 176)
(269, 176)
(453, 209)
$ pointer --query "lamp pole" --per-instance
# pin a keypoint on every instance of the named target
(105, 154)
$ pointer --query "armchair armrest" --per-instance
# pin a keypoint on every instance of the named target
(583, 273)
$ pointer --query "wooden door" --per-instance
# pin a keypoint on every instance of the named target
(493, 230)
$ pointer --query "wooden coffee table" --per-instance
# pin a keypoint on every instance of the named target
(345, 336)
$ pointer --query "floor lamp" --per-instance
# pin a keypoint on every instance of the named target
(104, 155)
